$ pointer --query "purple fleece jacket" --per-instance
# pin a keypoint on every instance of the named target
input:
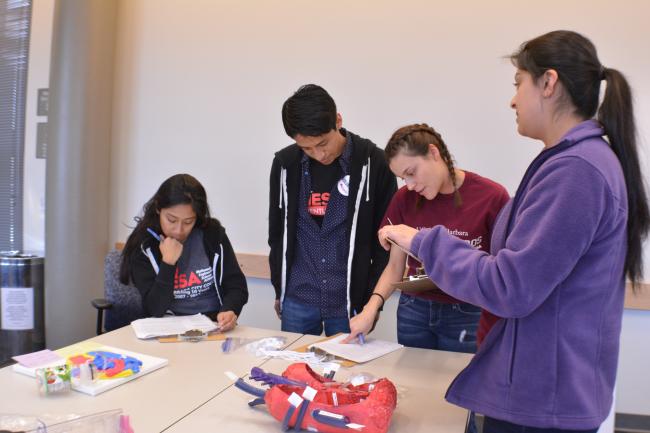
(556, 276)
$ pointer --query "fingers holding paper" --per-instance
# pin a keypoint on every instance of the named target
(400, 234)
(227, 320)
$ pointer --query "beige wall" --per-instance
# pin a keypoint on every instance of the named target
(200, 84)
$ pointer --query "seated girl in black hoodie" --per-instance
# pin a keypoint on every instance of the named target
(180, 258)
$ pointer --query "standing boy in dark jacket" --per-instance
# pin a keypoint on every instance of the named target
(329, 191)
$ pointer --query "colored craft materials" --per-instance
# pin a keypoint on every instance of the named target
(103, 365)
(53, 380)
(326, 406)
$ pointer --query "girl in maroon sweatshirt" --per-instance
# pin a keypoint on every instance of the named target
(436, 193)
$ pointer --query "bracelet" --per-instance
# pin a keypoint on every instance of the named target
(383, 300)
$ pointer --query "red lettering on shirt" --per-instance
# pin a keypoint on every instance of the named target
(317, 204)
(181, 281)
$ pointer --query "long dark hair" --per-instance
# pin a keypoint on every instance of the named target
(414, 140)
(575, 60)
(178, 189)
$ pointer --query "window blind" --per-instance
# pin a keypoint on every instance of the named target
(15, 19)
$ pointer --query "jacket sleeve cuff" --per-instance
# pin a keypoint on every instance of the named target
(166, 273)
(417, 241)
(231, 307)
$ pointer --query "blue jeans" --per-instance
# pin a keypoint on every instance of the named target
(491, 425)
(471, 423)
(432, 325)
(307, 319)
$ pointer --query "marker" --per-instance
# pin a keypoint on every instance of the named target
(154, 234)
(362, 340)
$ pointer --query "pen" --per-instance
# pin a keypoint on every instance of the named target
(154, 234)
(403, 249)
(362, 340)
(408, 253)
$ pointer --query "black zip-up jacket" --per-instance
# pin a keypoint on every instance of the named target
(155, 278)
(371, 187)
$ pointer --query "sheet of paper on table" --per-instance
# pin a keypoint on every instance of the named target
(171, 325)
(372, 349)
(37, 359)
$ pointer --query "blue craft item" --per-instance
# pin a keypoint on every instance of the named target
(301, 414)
(225, 346)
(257, 392)
(105, 360)
(287, 418)
(133, 364)
(256, 401)
(270, 379)
(100, 361)
(324, 417)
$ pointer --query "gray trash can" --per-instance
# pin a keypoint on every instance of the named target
(22, 318)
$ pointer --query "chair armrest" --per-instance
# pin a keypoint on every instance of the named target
(101, 304)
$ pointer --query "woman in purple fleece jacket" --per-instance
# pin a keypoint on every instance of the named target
(560, 249)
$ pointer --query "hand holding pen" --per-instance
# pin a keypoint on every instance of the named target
(360, 325)
(400, 235)
(170, 248)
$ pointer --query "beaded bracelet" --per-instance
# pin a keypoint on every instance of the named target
(383, 300)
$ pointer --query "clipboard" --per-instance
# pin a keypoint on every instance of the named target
(417, 283)
(344, 362)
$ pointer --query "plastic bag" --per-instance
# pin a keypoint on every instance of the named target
(21, 423)
(359, 379)
(230, 344)
(112, 421)
(255, 346)
(261, 346)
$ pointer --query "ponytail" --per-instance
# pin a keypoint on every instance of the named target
(617, 117)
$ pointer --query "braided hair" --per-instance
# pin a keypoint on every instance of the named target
(414, 140)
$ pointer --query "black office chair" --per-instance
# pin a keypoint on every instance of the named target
(122, 303)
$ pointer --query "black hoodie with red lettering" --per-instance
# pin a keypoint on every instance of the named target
(155, 278)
